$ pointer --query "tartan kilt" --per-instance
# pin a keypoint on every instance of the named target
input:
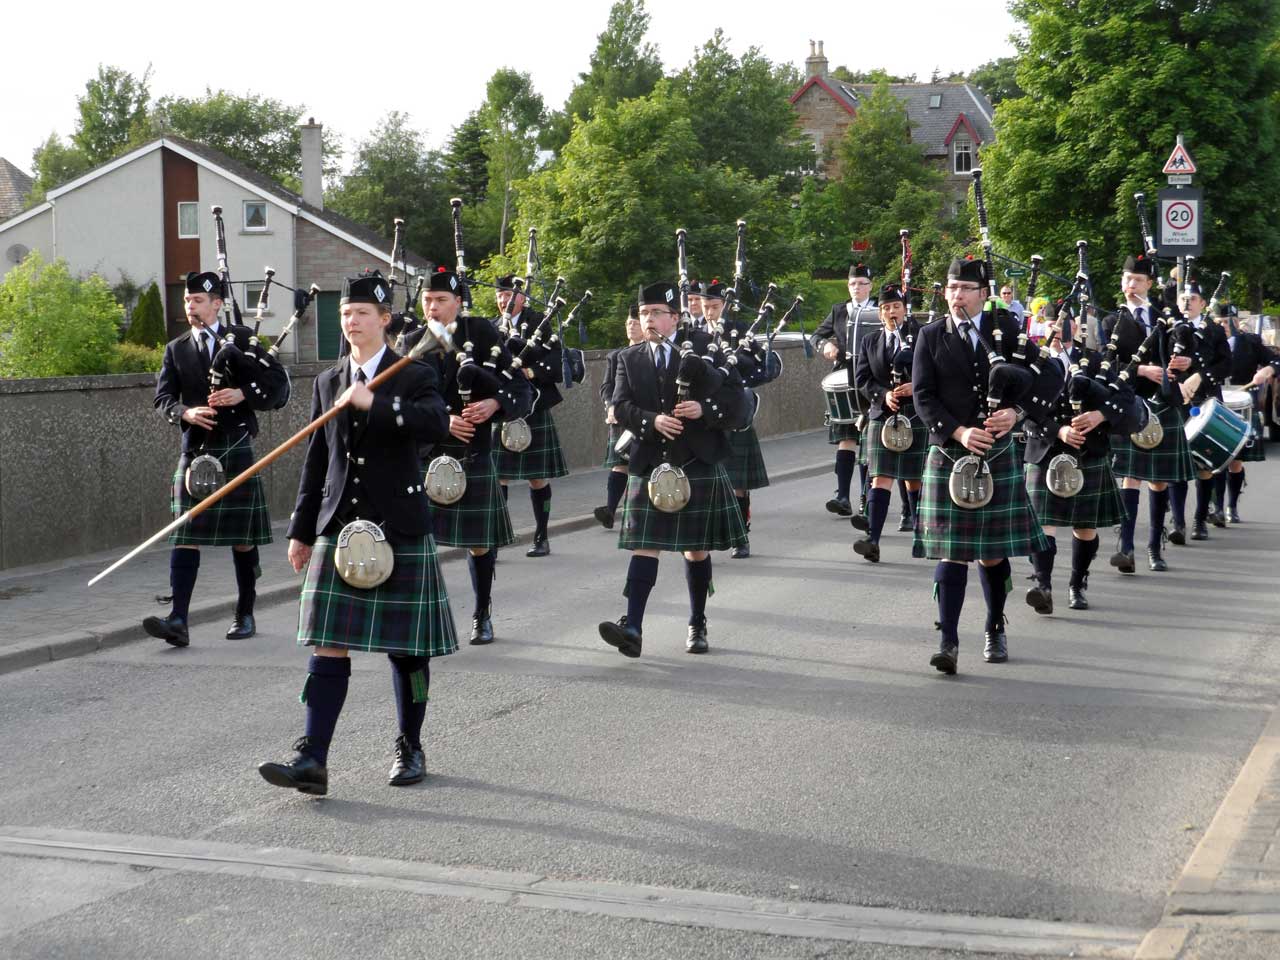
(1256, 451)
(745, 465)
(841, 431)
(1170, 462)
(611, 456)
(1005, 527)
(883, 462)
(709, 521)
(541, 460)
(1097, 506)
(239, 519)
(480, 518)
(408, 614)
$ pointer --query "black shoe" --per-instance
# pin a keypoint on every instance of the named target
(742, 550)
(1155, 561)
(170, 629)
(481, 630)
(1233, 515)
(1040, 599)
(865, 548)
(541, 548)
(623, 636)
(1076, 599)
(1123, 561)
(997, 647)
(945, 660)
(1178, 535)
(860, 523)
(242, 627)
(697, 641)
(303, 773)
(840, 506)
(906, 524)
(1199, 531)
(604, 517)
(1217, 518)
(410, 766)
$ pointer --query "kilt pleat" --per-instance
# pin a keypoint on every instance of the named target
(543, 459)
(710, 520)
(883, 462)
(480, 518)
(837, 432)
(1097, 505)
(611, 456)
(1005, 527)
(408, 614)
(241, 518)
(1170, 462)
(745, 465)
(1256, 451)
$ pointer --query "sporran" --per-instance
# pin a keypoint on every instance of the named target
(896, 433)
(669, 489)
(516, 435)
(970, 485)
(204, 476)
(363, 557)
(1064, 478)
(446, 481)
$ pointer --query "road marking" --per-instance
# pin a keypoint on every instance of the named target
(693, 908)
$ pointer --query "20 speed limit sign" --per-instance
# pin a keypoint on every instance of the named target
(1179, 222)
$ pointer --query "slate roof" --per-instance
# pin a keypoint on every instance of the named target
(15, 187)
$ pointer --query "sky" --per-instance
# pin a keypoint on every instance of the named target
(434, 67)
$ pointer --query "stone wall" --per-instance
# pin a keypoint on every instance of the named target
(86, 463)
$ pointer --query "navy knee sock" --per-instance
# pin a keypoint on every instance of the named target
(481, 568)
(615, 488)
(914, 497)
(744, 510)
(247, 574)
(1042, 560)
(1235, 483)
(411, 677)
(1130, 521)
(845, 459)
(904, 498)
(1176, 493)
(949, 581)
(697, 574)
(642, 574)
(1157, 506)
(1204, 495)
(862, 479)
(997, 581)
(506, 491)
(877, 510)
(1219, 489)
(541, 501)
(184, 566)
(1082, 554)
(324, 694)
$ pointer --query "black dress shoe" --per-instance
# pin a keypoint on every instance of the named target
(860, 523)
(997, 647)
(945, 660)
(1123, 561)
(1040, 599)
(840, 506)
(1178, 535)
(1155, 561)
(1233, 515)
(742, 550)
(541, 548)
(906, 524)
(303, 773)
(865, 548)
(1199, 531)
(697, 641)
(481, 630)
(170, 629)
(242, 627)
(623, 636)
(604, 517)
(1217, 517)
(410, 766)
(1076, 599)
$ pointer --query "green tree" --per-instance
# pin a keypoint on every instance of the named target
(997, 79)
(54, 325)
(465, 162)
(1108, 87)
(146, 328)
(741, 111)
(112, 114)
(55, 162)
(623, 66)
(512, 115)
(845, 75)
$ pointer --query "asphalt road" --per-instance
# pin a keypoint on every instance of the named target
(812, 756)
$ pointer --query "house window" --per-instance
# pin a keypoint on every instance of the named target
(935, 101)
(188, 221)
(962, 151)
(252, 294)
(255, 215)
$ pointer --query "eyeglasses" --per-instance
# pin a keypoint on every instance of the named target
(649, 314)
(1006, 293)
(963, 288)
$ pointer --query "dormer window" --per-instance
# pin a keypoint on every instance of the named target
(962, 154)
(935, 101)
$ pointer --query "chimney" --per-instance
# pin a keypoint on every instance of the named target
(816, 64)
(312, 162)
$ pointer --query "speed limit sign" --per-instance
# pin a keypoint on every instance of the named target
(1179, 222)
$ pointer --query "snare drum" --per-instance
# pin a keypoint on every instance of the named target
(1216, 436)
(839, 393)
(1239, 402)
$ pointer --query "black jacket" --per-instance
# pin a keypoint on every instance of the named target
(1248, 356)
(1119, 413)
(364, 464)
(546, 365)
(183, 381)
(873, 373)
(836, 328)
(1129, 335)
(637, 401)
(1212, 361)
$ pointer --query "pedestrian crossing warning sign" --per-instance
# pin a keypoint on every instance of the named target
(1179, 161)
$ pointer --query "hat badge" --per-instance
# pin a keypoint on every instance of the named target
(379, 292)
(453, 283)
(669, 295)
(208, 285)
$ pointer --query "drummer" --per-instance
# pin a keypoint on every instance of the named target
(1253, 366)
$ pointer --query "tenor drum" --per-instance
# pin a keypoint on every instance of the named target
(839, 393)
(1216, 436)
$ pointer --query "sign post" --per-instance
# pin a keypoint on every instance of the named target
(1180, 210)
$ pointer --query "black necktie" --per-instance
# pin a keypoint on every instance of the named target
(360, 377)
(965, 328)
(206, 360)
(660, 360)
